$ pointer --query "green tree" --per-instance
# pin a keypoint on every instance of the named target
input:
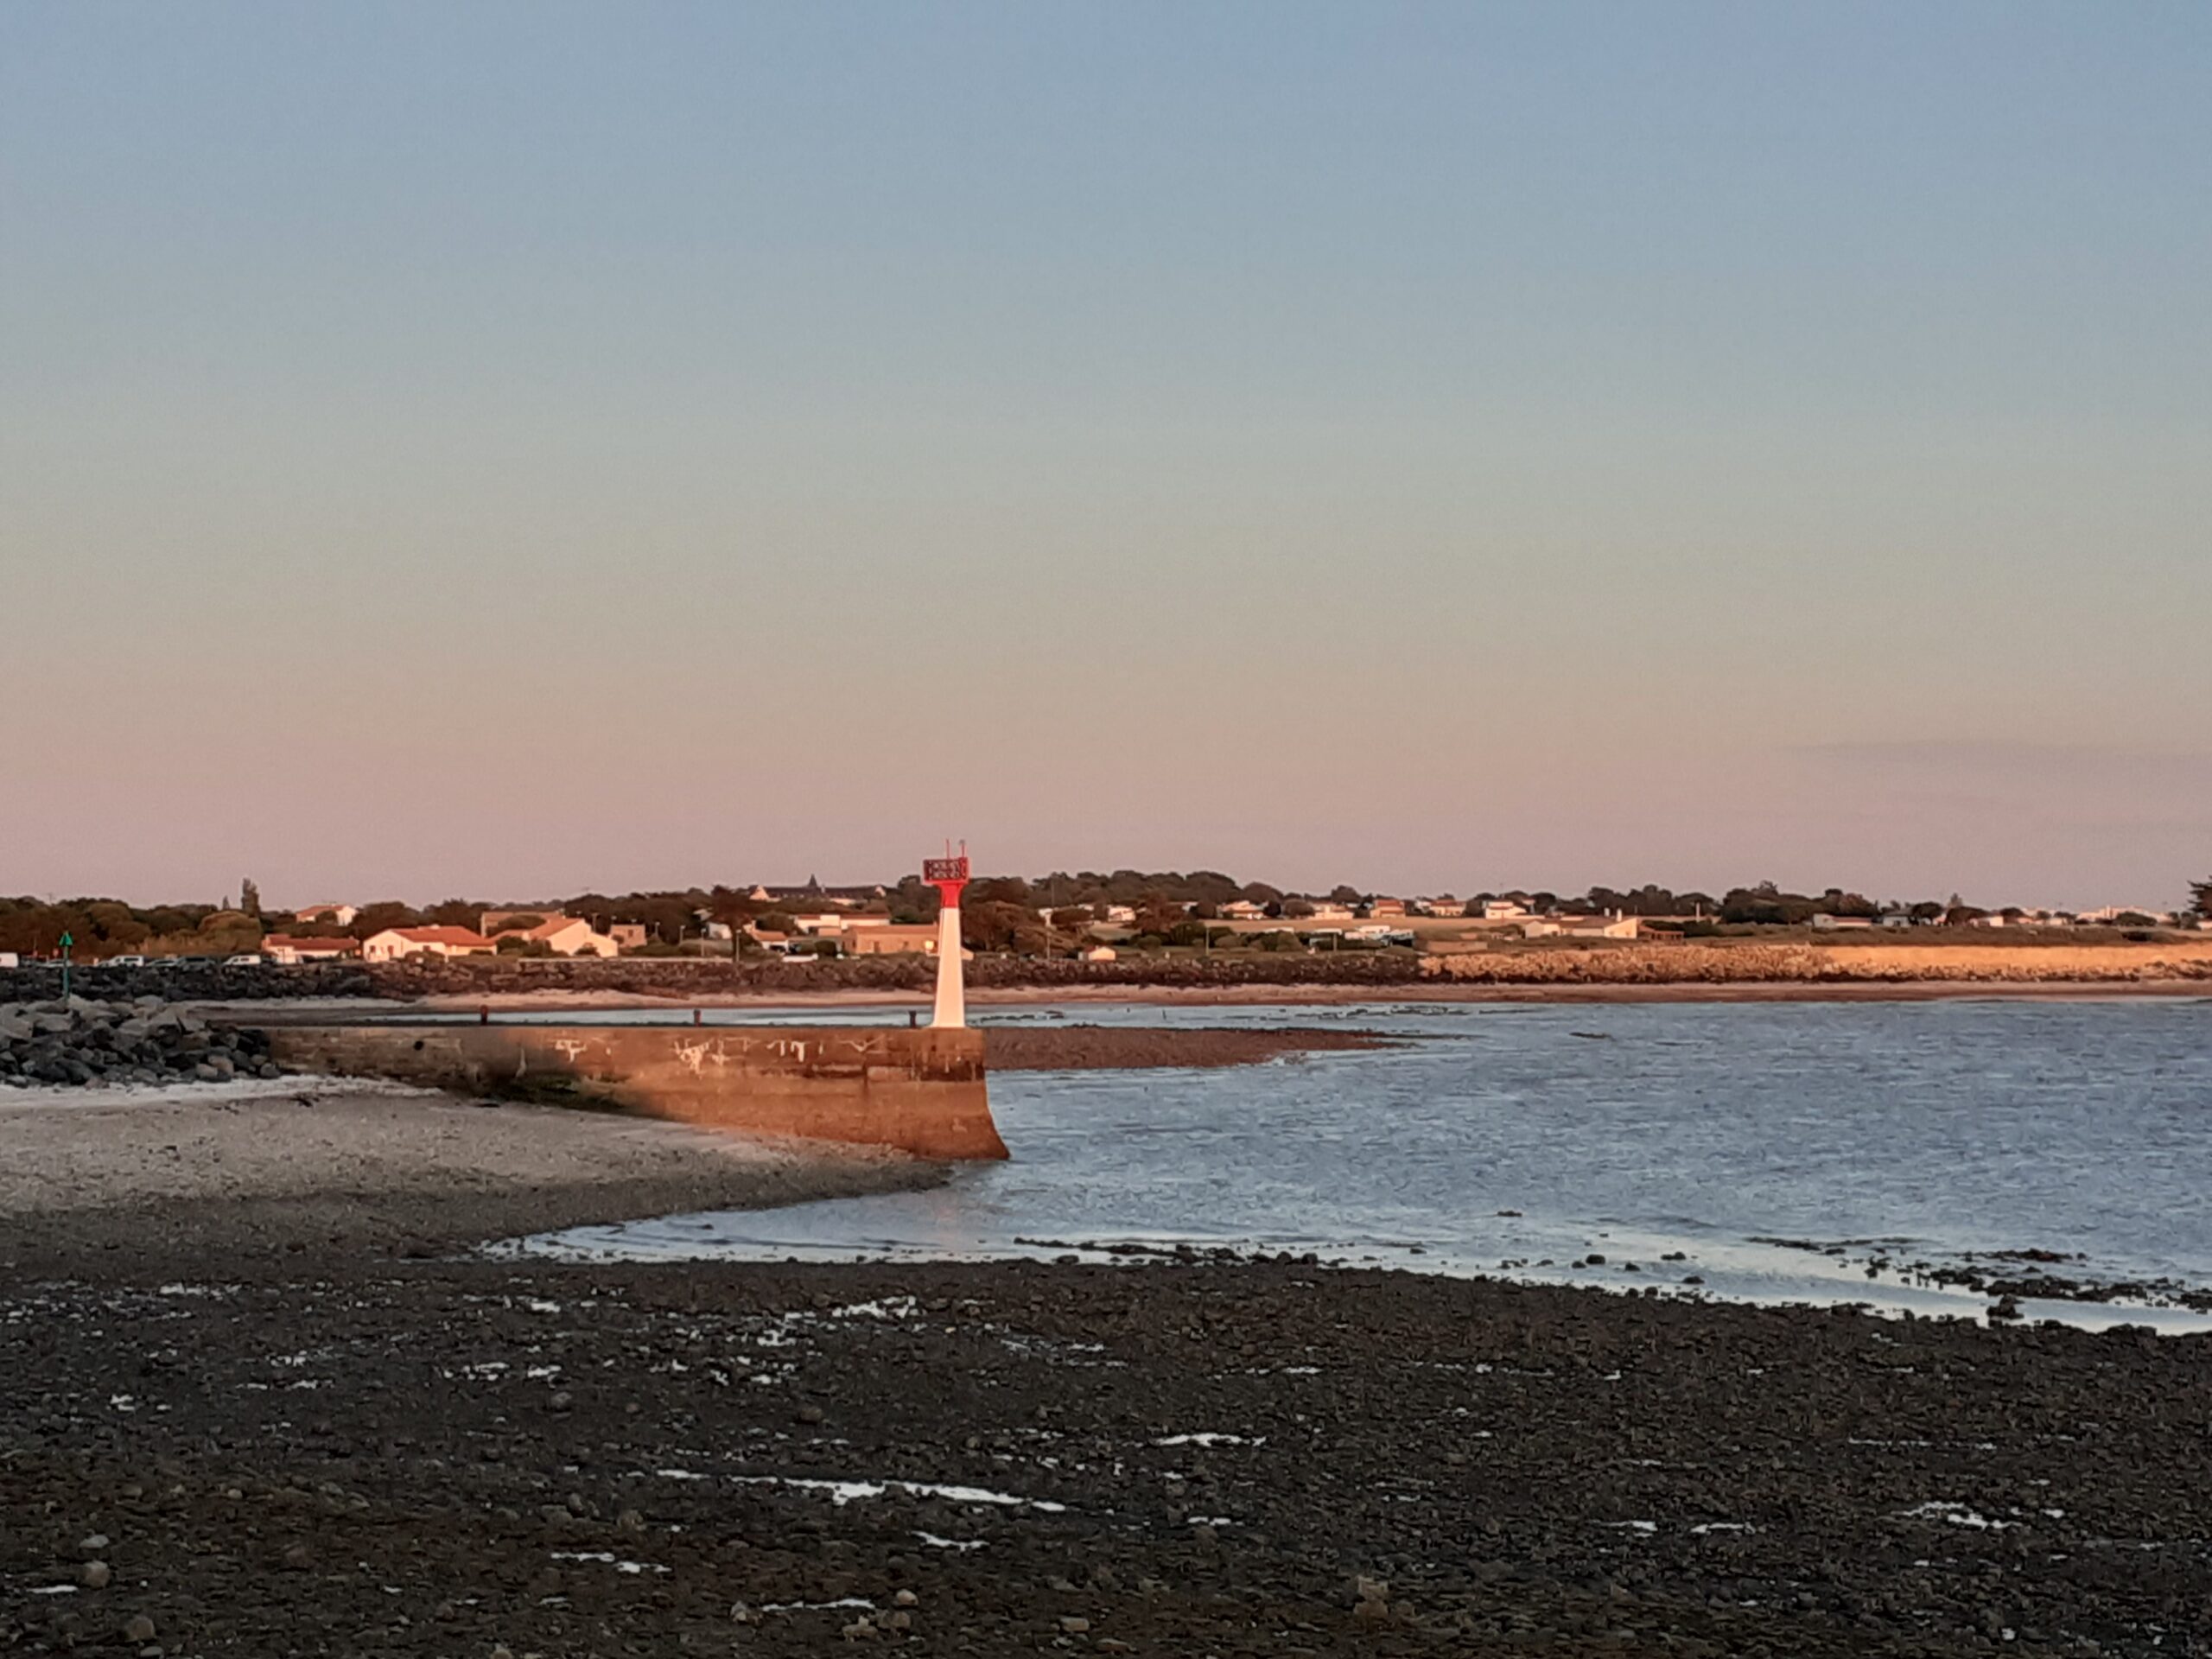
(249, 897)
(387, 912)
(2201, 893)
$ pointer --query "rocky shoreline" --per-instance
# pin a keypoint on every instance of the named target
(468, 1457)
(78, 1040)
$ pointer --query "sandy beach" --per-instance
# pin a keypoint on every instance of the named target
(255, 1172)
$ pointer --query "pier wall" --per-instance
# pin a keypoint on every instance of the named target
(922, 1091)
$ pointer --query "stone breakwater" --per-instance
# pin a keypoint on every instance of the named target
(191, 982)
(80, 1041)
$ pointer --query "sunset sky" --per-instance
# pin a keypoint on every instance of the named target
(507, 449)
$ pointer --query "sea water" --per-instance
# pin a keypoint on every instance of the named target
(1776, 1151)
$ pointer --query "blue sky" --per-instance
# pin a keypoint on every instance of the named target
(1426, 446)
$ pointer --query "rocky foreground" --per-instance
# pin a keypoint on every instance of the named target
(323, 1455)
(141, 1040)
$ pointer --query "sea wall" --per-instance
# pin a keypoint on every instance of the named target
(922, 1091)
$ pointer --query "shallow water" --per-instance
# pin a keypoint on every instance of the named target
(1911, 1132)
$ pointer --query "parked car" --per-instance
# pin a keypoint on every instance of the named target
(124, 962)
(245, 959)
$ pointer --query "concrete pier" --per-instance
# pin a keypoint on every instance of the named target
(922, 1091)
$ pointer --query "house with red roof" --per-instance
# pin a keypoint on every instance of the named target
(395, 944)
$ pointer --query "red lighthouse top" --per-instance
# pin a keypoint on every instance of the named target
(948, 874)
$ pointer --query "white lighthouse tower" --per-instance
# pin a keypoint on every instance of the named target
(949, 875)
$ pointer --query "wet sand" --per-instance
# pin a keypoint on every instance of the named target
(255, 1173)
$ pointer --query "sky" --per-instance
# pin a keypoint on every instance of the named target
(512, 449)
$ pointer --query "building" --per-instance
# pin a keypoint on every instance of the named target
(565, 936)
(1504, 910)
(493, 923)
(1243, 910)
(571, 936)
(815, 893)
(1121, 916)
(335, 915)
(1601, 927)
(1825, 923)
(1328, 910)
(1583, 927)
(631, 936)
(395, 944)
(1446, 906)
(1386, 907)
(289, 952)
(1100, 953)
(894, 939)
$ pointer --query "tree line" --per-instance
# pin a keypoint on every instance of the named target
(998, 912)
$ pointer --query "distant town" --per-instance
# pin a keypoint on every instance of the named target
(1086, 915)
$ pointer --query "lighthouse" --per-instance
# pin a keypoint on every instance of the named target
(949, 875)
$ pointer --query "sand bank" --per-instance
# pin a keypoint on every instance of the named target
(270, 1170)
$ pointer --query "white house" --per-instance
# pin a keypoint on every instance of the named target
(1602, 927)
(1328, 910)
(395, 943)
(572, 936)
(1583, 927)
(1504, 910)
(336, 915)
(1243, 910)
